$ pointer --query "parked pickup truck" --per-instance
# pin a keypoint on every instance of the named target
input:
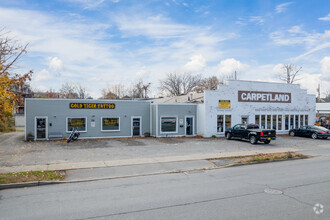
(251, 132)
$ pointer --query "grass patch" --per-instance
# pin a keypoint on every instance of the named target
(271, 157)
(31, 176)
(261, 158)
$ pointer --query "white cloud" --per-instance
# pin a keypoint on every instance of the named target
(325, 68)
(296, 30)
(317, 48)
(282, 7)
(43, 75)
(296, 35)
(256, 19)
(196, 63)
(55, 64)
(277, 69)
(153, 27)
(142, 73)
(326, 18)
(90, 4)
(259, 20)
(229, 66)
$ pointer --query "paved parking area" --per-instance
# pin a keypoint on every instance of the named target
(14, 151)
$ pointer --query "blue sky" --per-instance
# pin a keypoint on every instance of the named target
(103, 42)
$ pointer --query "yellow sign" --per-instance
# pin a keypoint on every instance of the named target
(224, 103)
(110, 122)
(92, 105)
(77, 122)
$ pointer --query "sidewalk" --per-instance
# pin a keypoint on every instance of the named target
(102, 170)
(128, 162)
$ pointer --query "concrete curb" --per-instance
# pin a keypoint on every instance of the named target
(41, 183)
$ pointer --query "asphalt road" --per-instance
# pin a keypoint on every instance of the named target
(280, 190)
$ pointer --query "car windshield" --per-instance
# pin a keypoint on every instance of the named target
(320, 128)
(252, 126)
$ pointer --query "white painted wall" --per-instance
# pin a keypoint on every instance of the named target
(301, 103)
(19, 121)
(201, 119)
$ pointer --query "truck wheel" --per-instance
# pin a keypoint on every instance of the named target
(228, 136)
(314, 136)
(267, 142)
(292, 133)
(253, 140)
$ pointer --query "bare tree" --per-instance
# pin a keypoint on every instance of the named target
(176, 84)
(327, 96)
(139, 89)
(115, 91)
(12, 85)
(81, 91)
(10, 52)
(68, 91)
(290, 73)
(107, 94)
(146, 89)
(210, 83)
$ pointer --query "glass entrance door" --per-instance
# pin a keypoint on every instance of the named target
(245, 119)
(189, 125)
(41, 128)
(136, 126)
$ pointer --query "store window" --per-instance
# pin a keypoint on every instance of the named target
(79, 123)
(291, 122)
(228, 121)
(279, 124)
(269, 121)
(306, 119)
(296, 124)
(263, 121)
(220, 123)
(110, 124)
(257, 120)
(286, 122)
(301, 120)
(168, 124)
(274, 122)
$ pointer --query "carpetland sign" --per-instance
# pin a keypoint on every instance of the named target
(257, 96)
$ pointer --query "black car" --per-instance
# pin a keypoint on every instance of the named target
(251, 132)
(312, 131)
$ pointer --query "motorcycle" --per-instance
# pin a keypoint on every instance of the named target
(74, 135)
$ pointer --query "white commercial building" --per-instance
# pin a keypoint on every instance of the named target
(270, 105)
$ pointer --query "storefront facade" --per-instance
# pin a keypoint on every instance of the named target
(270, 105)
(55, 118)
(174, 119)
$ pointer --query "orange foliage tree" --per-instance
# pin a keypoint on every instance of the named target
(10, 82)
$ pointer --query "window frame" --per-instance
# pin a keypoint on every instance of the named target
(176, 124)
(110, 117)
(66, 124)
(223, 124)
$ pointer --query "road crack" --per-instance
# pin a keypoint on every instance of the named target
(173, 206)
